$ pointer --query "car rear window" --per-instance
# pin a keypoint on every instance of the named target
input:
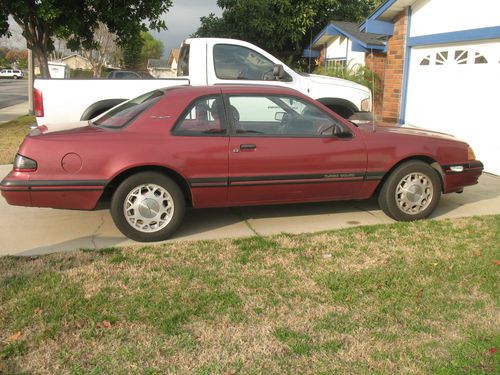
(126, 112)
(183, 66)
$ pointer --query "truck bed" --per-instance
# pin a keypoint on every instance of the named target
(62, 98)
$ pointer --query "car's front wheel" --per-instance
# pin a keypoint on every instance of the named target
(411, 192)
(148, 206)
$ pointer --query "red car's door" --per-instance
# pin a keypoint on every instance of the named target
(285, 149)
(201, 150)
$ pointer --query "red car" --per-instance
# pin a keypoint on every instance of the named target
(232, 146)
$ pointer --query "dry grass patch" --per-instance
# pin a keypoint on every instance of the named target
(403, 298)
(12, 134)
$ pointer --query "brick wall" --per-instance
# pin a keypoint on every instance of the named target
(394, 65)
(322, 54)
(376, 63)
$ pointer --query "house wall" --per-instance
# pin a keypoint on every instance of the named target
(162, 72)
(394, 66)
(77, 63)
(441, 16)
(340, 48)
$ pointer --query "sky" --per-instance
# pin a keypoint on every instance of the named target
(182, 20)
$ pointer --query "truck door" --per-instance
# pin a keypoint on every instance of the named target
(242, 64)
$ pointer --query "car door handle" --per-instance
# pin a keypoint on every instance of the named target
(248, 146)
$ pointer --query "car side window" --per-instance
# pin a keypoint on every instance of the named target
(204, 117)
(236, 62)
(270, 115)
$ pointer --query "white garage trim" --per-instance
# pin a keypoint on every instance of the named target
(455, 36)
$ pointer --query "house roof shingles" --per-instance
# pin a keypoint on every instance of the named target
(352, 29)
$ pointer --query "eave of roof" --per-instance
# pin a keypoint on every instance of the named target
(387, 11)
(339, 28)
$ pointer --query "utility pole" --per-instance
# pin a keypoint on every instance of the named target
(31, 80)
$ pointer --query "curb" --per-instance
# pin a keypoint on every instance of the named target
(13, 112)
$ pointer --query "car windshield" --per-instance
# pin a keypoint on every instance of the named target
(126, 112)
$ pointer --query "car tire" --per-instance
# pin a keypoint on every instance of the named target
(148, 207)
(411, 192)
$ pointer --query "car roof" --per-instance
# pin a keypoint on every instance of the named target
(234, 88)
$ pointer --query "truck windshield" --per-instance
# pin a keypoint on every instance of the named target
(126, 112)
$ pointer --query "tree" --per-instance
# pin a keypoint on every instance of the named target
(151, 48)
(18, 58)
(105, 48)
(282, 27)
(138, 51)
(3, 60)
(132, 53)
(76, 21)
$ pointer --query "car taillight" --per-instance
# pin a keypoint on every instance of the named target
(24, 164)
(470, 154)
(366, 105)
(38, 102)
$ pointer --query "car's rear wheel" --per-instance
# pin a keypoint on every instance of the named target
(411, 192)
(148, 206)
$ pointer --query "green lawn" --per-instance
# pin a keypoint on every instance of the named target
(417, 298)
(12, 134)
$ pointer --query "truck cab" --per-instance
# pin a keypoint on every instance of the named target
(230, 61)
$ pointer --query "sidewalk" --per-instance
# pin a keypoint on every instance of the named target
(34, 231)
(10, 113)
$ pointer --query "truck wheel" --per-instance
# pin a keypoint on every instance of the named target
(411, 192)
(147, 207)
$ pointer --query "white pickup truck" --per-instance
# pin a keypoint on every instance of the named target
(202, 61)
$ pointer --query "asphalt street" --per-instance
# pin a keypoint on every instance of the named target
(13, 91)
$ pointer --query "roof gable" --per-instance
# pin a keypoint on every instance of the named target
(174, 55)
(361, 41)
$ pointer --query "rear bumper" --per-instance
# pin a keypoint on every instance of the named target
(457, 176)
(68, 194)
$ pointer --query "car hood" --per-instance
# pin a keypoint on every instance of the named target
(315, 78)
(404, 130)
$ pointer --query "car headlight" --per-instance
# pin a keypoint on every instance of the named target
(366, 105)
(470, 154)
(24, 164)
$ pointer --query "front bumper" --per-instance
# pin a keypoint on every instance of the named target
(457, 176)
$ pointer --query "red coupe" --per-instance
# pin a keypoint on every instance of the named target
(152, 156)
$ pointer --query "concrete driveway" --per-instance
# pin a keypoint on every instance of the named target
(31, 231)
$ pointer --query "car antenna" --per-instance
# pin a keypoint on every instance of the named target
(373, 93)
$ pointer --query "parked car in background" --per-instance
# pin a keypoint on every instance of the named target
(127, 74)
(11, 73)
(202, 61)
(123, 74)
(232, 145)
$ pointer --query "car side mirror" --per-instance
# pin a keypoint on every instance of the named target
(343, 134)
(279, 116)
(279, 72)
